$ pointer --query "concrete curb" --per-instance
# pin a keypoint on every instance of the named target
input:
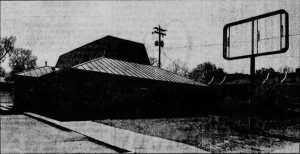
(59, 125)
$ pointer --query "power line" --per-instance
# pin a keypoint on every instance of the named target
(174, 63)
(221, 44)
(286, 56)
(188, 71)
(268, 38)
(215, 44)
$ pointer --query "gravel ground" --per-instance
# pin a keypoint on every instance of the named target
(217, 134)
(22, 134)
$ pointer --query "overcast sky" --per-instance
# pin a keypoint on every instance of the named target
(194, 28)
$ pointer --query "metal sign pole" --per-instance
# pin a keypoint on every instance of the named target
(252, 97)
(252, 76)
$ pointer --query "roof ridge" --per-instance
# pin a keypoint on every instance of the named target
(106, 36)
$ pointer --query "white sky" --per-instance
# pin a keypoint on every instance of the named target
(52, 28)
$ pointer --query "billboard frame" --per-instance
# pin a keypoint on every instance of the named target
(253, 55)
(252, 19)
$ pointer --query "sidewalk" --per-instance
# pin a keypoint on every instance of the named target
(124, 139)
(23, 134)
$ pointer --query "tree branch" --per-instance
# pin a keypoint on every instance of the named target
(3, 56)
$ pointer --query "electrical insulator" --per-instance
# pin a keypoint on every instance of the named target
(161, 43)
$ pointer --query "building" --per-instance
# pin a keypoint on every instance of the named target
(109, 47)
(108, 87)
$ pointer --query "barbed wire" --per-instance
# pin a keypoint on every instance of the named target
(175, 63)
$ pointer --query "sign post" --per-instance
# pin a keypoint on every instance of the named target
(227, 48)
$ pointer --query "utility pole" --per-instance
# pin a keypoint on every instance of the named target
(159, 43)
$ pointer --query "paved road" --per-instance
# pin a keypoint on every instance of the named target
(22, 134)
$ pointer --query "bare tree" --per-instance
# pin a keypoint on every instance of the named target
(178, 67)
(7, 45)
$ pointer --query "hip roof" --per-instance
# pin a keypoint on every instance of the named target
(118, 67)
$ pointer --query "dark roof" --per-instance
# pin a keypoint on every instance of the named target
(108, 46)
(37, 72)
(118, 67)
